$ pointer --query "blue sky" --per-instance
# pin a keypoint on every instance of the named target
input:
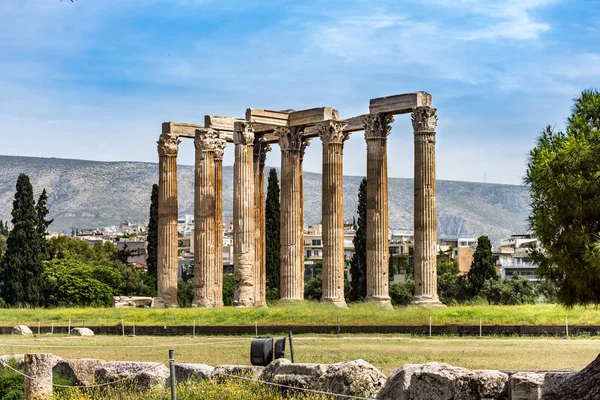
(95, 79)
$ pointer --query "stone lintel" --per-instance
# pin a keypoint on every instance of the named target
(267, 119)
(400, 103)
(312, 116)
(188, 131)
(181, 129)
(219, 123)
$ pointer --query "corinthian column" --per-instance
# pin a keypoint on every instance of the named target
(243, 215)
(292, 219)
(219, 150)
(332, 135)
(168, 146)
(260, 272)
(205, 262)
(424, 123)
(377, 129)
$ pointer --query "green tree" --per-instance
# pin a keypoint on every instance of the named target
(401, 293)
(358, 263)
(313, 289)
(42, 211)
(21, 272)
(563, 177)
(152, 260)
(483, 267)
(2, 246)
(272, 229)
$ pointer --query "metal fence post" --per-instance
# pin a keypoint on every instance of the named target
(291, 339)
(173, 379)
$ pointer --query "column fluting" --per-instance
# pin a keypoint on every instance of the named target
(332, 135)
(292, 146)
(377, 129)
(260, 273)
(167, 266)
(243, 215)
(424, 122)
(218, 286)
(205, 262)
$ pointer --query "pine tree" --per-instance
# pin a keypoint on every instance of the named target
(42, 223)
(483, 266)
(358, 263)
(272, 229)
(21, 272)
(152, 246)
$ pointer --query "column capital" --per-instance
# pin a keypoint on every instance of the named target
(261, 148)
(206, 140)
(377, 126)
(291, 138)
(332, 131)
(243, 133)
(220, 149)
(424, 119)
(168, 145)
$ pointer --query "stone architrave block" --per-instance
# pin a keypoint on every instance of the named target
(79, 371)
(186, 372)
(145, 375)
(21, 330)
(525, 386)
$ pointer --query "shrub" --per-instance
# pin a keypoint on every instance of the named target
(402, 293)
(513, 291)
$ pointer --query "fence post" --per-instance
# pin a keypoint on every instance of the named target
(194, 330)
(39, 367)
(52, 328)
(123, 326)
(291, 339)
(567, 326)
(430, 326)
(133, 328)
(39, 328)
(173, 379)
(480, 328)
(69, 330)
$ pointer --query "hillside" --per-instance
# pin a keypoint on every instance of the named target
(88, 194)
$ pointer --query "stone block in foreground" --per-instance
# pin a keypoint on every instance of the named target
(145, 375)
(185, 372)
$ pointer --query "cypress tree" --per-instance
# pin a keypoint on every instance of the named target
(482, 267)
(272, 228)
(21, 272)
(152, 240)
(42, 223)
(358, 263)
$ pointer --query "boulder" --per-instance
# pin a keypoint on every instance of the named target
(225, 372)
(525, 386)
(132, 301)
(82, 332)
(554, 380)
(439, 381)
(145, 375)
(80, 371)
(21, 330)
(302, 376)
(14, 360)
(185, 372)
(351, 378)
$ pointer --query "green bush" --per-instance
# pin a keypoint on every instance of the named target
(228, 289)
(11, 385)
(402, 293)
(513, 291)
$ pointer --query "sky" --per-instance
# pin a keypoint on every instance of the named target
(94, 79)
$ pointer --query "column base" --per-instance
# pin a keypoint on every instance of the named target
(202, 304)
(427, 301)
(340, 303)
(383, 302)
(243, 304)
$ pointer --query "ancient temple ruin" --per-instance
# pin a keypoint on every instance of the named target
(253, 137)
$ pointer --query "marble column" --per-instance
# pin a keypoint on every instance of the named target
(168, 146)
(424, 122)
(260, 254)
(332, 135)
(243, 215)
(219, 150)
(377, 129)
(292, 146)
(205, 239)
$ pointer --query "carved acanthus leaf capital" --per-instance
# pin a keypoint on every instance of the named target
(424, 119)
(220, 149)
(243, 133)
(305, 144)
(378, 126)
(206, 140)
(332, 131)
(290, 138)
(168, 145)
(260, 150)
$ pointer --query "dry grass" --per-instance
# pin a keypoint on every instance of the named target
(384, 351)
(307, 313)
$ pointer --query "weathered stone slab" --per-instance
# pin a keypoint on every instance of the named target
(400, 103)
(181, 129)
(82, 332)
(525, 386)
(38, 367)
(185, 372)
(132, 301)
(351, 378)
(224, 372)
(312, 116)
(439, 381)
(21, 330)
(145, 375)
(79, 371)
(267, 117)
(220, 123)
(301, 375)
(553, 380)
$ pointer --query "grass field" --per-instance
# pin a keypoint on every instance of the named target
(384, 351)
(307, 313)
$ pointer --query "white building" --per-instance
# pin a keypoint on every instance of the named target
(513, 257)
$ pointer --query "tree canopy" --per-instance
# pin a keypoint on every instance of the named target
(152, 260)
(483, 266)
(358, 263)
(272, 231)
(563, 177)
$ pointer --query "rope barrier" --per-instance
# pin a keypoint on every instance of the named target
(320, 351)
(50, 346)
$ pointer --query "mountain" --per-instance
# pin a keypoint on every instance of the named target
(88, 194)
